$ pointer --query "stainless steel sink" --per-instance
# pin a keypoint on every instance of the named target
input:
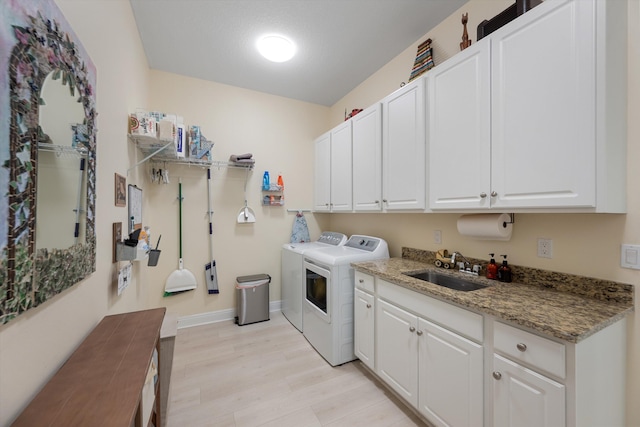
(447, 281)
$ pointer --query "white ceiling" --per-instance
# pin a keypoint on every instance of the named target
(340, 42)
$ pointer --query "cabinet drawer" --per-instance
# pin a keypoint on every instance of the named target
(364, 282)
(529, 348)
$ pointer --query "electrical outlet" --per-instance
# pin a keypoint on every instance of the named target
(545, 248)
(437, 237)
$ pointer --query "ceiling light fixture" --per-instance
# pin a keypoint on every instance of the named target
(276, 48)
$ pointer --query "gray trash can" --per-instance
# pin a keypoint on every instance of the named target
(252, 298)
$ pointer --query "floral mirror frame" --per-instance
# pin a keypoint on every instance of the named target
(38, 41)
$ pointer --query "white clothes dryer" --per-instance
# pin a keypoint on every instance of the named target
(327, 309)
(292, 284)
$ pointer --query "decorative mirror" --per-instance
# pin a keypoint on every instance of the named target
(48, 155)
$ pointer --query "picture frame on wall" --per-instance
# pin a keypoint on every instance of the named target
(120, 190)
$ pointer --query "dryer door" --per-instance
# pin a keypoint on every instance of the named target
(318, 289)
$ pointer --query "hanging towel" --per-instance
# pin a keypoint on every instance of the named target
(300, 232)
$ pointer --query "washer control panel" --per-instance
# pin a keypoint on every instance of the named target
(332, 238)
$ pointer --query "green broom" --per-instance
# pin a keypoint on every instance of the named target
(180, 280)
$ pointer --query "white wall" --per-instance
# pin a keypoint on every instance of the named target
(586, 244)
(35, 344)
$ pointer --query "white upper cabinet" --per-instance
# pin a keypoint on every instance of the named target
(544, 99)
(341, 166)
(551, 114)
(367, 159)
(333, 187)
(322, 173)
(459, 130)
(404, 148)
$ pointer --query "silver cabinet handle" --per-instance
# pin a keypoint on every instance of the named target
(483, 195)
(412, 329)
(368, 305)
(361, 280)
(419, 332)
(377, 202)
(494, 194)
(497, 375)
(521, 346)
(384, 200)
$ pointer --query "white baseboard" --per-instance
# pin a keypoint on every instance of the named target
(217, 316)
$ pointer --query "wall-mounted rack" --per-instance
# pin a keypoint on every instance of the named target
(164, 151)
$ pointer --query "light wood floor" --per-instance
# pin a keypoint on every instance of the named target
(267, 374)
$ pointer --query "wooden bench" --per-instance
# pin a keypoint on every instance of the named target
(102, 382)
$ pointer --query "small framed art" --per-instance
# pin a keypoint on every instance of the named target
(121, 190)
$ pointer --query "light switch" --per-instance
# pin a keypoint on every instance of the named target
(630, 256)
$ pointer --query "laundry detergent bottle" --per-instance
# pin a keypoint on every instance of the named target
(265, 181)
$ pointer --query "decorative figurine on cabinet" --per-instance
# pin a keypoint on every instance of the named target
(465, 43)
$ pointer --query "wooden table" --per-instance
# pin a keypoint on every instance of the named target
(101, 383)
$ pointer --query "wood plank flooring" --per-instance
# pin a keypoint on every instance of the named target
(267, 374)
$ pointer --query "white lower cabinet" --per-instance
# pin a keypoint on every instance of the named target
(525, 398)
(364, 324)
(434, 355)
(397, 356)
(542, 382)
(436, 370)
(449, 377)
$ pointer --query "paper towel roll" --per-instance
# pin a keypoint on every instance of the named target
(486, 226)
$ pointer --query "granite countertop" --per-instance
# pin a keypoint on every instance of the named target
(570, 316)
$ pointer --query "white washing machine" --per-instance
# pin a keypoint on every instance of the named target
(327, 308)
(292, 273)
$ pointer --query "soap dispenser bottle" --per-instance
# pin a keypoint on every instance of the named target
(504, 272)
(492, 269)
(265, 181)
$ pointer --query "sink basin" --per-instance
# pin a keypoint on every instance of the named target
(447, 281)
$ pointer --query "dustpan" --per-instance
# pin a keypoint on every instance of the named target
(246, 214)
(180, 280)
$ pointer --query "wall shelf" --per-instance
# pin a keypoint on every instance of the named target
(159, 150)
(273, 196)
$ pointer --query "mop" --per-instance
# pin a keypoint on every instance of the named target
(210, 273)
(181, 279)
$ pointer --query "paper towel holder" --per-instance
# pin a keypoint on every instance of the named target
(512, 220)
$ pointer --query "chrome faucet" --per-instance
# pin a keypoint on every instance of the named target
(465, 264)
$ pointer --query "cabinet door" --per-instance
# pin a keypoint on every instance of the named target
(322, 173)
(341, 187)
(459, 130)
(543, 95)
(397, 344)
(524, 398)
(450, 371)
(367, 159)
(404, 148)
(364, 338)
